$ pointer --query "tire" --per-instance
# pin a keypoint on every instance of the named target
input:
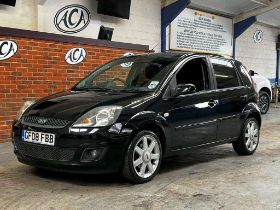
(142, 161)
(248, 141)
(264, 102)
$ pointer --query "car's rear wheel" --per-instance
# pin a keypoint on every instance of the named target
(249, 138)
(264, 102)
(143, 157)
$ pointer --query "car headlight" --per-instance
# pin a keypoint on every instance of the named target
(25, 106)
(99, 117)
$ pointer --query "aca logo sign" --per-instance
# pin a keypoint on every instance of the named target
(75, 56)
(128, 64)
(72, 19)
(7, 49)
(258, 36)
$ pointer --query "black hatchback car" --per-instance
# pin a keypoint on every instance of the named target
(133, 111)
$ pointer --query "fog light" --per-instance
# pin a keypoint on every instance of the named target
(91, 155)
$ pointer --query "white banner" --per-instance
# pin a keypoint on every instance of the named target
(198, 31)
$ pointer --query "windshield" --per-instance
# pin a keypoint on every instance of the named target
(135, 73)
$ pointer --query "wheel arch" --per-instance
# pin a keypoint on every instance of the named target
(155, 128)
(252, 110)
(151, 121)
(267, 90)
(256, 116)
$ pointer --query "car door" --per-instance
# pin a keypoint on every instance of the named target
(193, 117)
(232, 98)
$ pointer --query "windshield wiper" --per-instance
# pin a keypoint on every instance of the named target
(136, 91)
(94, 88)
(112, 90)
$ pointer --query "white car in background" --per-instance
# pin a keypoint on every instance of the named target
(263, 87)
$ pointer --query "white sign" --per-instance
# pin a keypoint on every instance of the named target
(75, 56)
(197, 31)
(7, 49)
(258, 36)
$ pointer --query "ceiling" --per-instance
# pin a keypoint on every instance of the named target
(271, 18)
(235, 8)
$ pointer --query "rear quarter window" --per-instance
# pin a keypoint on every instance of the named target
(246, 78)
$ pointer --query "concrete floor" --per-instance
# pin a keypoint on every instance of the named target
(214, 178)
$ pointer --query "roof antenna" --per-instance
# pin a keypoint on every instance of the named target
(152, 50)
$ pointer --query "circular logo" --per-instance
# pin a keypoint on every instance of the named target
(128, 64)
(72, 19)
(7, 49)
(75, 56)
(258, 36)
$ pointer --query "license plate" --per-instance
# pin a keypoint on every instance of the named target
(38, 137)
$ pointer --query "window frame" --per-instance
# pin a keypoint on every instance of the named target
(173, 81)
(238, 65)
(240, 82)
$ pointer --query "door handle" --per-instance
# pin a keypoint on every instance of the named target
(212, 103)
(244, 97)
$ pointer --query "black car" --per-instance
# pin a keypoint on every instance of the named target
(133, 111)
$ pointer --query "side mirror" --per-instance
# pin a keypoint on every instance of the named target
(183, 89)
(252, 73)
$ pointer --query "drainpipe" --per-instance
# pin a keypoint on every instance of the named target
(277, 70)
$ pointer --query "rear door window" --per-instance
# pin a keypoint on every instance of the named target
(225, 73)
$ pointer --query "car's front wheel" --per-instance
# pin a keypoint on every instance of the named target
(264, 102)
(249, 138)
(143, 157)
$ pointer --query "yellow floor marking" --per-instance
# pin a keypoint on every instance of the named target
(270, 136)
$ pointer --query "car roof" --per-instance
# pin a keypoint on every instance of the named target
(183, 54)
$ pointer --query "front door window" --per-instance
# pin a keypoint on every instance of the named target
(194, 72)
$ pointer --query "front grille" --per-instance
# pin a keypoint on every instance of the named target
(44, 152)
(44, 122)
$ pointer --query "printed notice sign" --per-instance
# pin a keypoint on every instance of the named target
(197, 31)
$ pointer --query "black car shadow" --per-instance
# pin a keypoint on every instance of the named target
(182, 161)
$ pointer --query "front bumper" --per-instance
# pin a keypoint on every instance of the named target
(69, 152)
(69, 167)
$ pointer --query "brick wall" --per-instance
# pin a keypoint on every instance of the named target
(38, 69)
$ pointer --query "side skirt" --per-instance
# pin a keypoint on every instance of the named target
(210, 144)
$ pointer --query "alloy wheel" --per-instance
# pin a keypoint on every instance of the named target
(252, 135)
(146, 156)
(264, 103)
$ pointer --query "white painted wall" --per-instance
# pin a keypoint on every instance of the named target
(21, 16)
(258, 57)
(143, 27)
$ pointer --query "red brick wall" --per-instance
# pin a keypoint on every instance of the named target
(38, 69)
